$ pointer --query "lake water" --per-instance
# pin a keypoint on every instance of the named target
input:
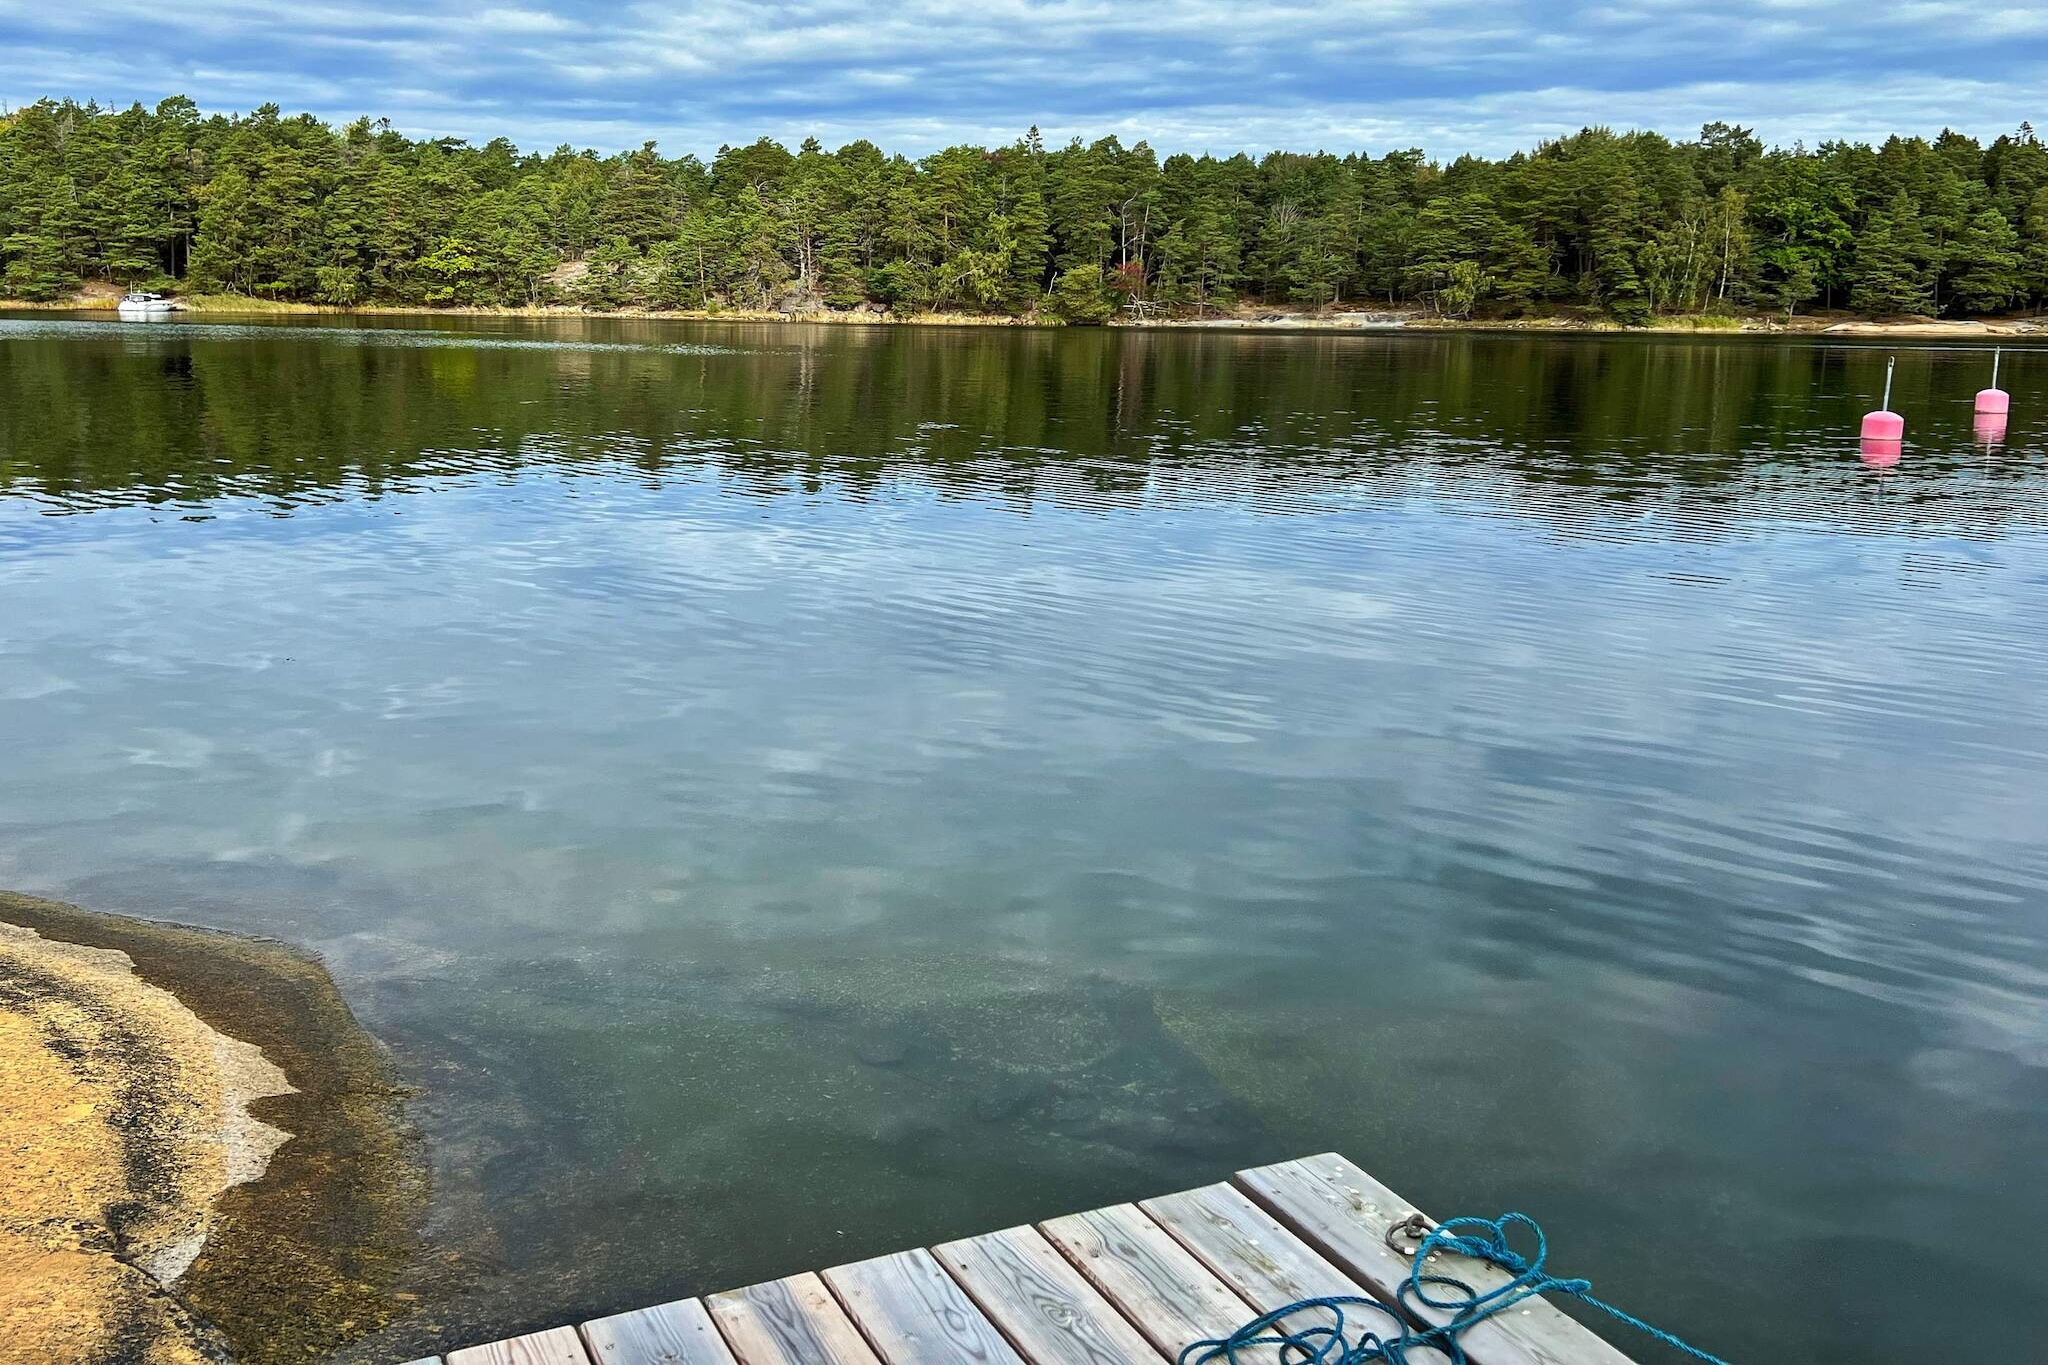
(787, 793)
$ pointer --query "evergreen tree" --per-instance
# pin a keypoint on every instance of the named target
(1078, 297)
(640, 201)
(612, 276)
(1632, 224)
(1081, 193)
(1020, 196)
(1890, 274)
(1989, 278)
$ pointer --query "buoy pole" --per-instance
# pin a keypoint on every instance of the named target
(1994, 399)
(1884, 424)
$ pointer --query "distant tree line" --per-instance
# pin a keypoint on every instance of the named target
(1629, 225)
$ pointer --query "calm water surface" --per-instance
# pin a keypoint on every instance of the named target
(789, 794)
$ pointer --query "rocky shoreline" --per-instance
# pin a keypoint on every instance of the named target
(1329, 319)
(206, 1159)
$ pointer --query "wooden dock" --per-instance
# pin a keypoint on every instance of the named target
(1128, 1285)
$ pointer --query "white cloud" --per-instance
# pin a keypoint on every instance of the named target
(1451, 75)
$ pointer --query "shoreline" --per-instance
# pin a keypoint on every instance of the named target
(210, 1162)
(1359, 320)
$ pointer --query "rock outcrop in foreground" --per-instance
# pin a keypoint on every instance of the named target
(169, 1193)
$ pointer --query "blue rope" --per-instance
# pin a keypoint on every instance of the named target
(1482, 1239)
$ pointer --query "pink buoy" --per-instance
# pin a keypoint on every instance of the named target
(1884, 424)
(1994, 399)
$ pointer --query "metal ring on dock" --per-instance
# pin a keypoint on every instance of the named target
(1415, 1226)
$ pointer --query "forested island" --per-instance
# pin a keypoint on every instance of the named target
(1622, 226)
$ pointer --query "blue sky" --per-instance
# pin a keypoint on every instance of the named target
(1219, 75)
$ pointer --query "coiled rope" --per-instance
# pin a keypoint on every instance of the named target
(1483, 1239)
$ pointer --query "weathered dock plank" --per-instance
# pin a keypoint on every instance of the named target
(1247, 1248)
(1042, 1304)
(1133, 1284)
(795, 1321)
(1344, 1213)
(555, 1346)
(913, 1313)
(1153, 1280)
(679, 1333)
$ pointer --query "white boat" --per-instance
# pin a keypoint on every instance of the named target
(140, 305)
